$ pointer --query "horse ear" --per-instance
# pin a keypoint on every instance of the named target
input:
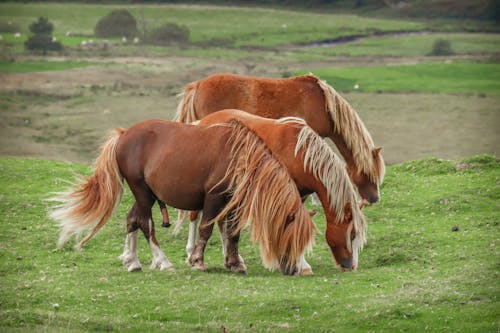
(312, 213)
(377, 150)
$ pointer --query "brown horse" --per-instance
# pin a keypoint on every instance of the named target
(306, 97)
(228, 173)
(315, 168)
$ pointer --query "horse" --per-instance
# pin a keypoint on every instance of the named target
(314, 168)
(306, 97)
(228, 173)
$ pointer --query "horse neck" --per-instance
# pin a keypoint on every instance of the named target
(330, 214)
(343, 148)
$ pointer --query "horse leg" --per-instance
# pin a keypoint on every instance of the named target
(144, 220)
(129, 256)
(234, 261)
(196, 259)
(164, 213)
(211, 207)
(193, 235)
(303, 266)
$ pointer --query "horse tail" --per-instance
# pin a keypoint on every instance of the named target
(185, 110)
(91, 203)
(264, 196)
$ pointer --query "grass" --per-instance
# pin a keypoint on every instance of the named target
(40, 66)
(415, 45)
(207, 22)
(415, 274)
(431, 77)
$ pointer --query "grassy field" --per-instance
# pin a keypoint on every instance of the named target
(415, 274)
(430, 77)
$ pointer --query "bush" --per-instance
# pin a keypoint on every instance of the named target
(118, 23)
(42, 27)
(42, 43)
(441, 47)
(168, 34)
(42, 39)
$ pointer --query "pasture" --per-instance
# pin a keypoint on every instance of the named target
(437, 118)
(416, 274)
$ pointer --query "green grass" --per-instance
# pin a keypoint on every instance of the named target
(246, 26)
(39, 66)
(432, 77)
(415, 273)
(416, 45)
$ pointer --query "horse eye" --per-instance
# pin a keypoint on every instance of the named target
(353, 236)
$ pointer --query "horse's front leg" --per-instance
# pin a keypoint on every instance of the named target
(193, 234)
(196, 258)
(303, 266)
(160, 260)
(234, 261)
(212, 205)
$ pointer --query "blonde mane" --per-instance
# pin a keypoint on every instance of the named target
(185, 110)
(329, 169)
(348, 124)
(264, 196)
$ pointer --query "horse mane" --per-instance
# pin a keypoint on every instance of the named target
(263, 195)
(329, 169)
(185, 110)
(348, 124)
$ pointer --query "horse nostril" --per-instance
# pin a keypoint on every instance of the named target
(346, 263)
(373, 199)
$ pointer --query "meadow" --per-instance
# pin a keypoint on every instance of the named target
(415, 274)
(431, 262)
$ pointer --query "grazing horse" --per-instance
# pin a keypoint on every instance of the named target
(226, 171)
(306, 97)
(315, 168)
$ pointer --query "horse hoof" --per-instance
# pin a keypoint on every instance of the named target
(166, 225)
(306, 271)
(240, 268)
(134, 268)
(197, 264)
(199, 267)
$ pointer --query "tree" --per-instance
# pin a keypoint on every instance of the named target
(42, 39)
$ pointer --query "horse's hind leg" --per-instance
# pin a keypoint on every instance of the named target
(129, 256)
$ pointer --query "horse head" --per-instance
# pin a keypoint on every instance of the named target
(368, 181)
(346, 237)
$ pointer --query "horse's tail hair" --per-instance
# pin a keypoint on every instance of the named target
(185, 110)
(91, 202)
(181, 218)
(264, 196)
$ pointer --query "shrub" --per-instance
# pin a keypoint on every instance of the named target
(168, 34)
(441, 47)
(42, 39)
(43, 43)
(118, 23)
(42, 27)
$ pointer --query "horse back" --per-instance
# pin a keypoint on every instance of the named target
(179, 163)
(271, 98)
